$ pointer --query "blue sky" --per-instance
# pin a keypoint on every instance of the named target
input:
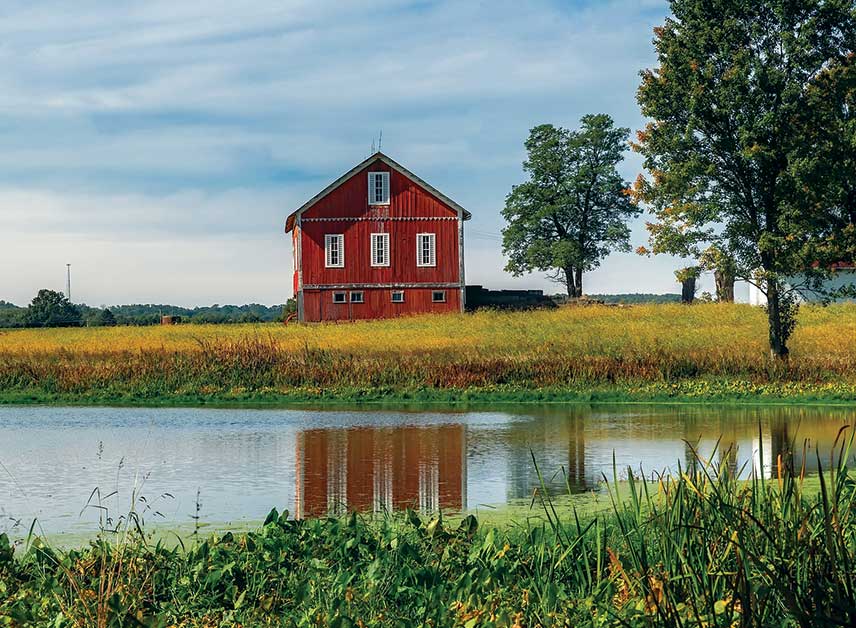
(158, 146)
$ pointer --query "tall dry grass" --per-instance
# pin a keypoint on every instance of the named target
(567, 347)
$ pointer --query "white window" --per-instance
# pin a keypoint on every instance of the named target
(378, 188)
(380, 249)
(339, 297)
(438, 296)
(398, 296)
(334, 250)
(356, 297)
(426, 249)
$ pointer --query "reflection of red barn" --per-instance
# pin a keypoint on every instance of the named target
(376, 243)
(380, 469)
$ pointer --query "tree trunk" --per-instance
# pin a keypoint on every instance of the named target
(569, 282)
(688, 290)
(724, 286)
(579, 282)
(778, 340)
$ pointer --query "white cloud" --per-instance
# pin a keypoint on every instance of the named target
(140, 130)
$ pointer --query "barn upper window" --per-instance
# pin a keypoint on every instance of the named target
(334, 250)
(380, 249)
(426, 249)
(378, 188)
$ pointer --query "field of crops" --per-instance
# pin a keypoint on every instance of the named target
(700, 550)
(642, 351)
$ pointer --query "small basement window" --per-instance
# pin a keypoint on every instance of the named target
(357, 297)
(398, 296)
(438, 296)
(339, 297)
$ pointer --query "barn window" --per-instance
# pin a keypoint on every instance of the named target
(357, 297)
(334, 250)
(380, 249)
(378, 188)
(339, 297)
(398, 296)
(438, 296)
(426, 249)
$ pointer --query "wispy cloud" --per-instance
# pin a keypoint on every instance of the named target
(146, 129)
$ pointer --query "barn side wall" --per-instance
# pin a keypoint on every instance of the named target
(318, 304)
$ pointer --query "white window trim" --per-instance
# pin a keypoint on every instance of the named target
(433, 250)
(434, 292)
(328, 238)
(359, 292)
(394, 292)
(384, 188)
(344, 297)
(384, 238)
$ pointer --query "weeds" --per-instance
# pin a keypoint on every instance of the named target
(701, 548)
(644, 352)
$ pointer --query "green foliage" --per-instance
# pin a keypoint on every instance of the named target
(574, 209)
(751, 146)
(52, 309)
(141, 315)
(11, 315)
(700, 548)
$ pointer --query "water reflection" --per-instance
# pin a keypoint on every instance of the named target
(314, 462)
(380, 469)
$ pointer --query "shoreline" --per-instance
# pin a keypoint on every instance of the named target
(729, 393)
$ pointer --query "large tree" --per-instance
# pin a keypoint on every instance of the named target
(52, 309)
(750, 147)
(574, 208)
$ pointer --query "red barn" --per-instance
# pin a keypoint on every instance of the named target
(376, 243)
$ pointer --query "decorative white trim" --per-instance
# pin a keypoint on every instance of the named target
(377, 219)
(383, 238)
(329, 238)
(432, 250)
(370, 286)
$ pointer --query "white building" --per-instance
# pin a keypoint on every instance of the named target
(845, 275)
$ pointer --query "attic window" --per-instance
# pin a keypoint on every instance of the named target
(378, 188)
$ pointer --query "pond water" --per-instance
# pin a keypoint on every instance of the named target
(233, 465)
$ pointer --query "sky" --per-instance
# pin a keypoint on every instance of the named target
(158, 146)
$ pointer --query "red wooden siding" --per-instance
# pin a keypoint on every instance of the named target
(318, 304)
(402, 252)
(345, 210)
(365, 469)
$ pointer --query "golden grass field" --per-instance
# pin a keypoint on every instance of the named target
(569, 347)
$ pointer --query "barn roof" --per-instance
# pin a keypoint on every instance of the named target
(378, 156)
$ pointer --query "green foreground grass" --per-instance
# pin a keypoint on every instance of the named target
(702, 549)
(713, 352)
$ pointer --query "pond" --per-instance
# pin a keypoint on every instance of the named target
(70, 467)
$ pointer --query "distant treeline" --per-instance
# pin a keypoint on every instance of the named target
(70, 315)
(50, 309)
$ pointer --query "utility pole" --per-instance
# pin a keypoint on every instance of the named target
(68, 281)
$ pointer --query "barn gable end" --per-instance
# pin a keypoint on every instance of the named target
(377, 206)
